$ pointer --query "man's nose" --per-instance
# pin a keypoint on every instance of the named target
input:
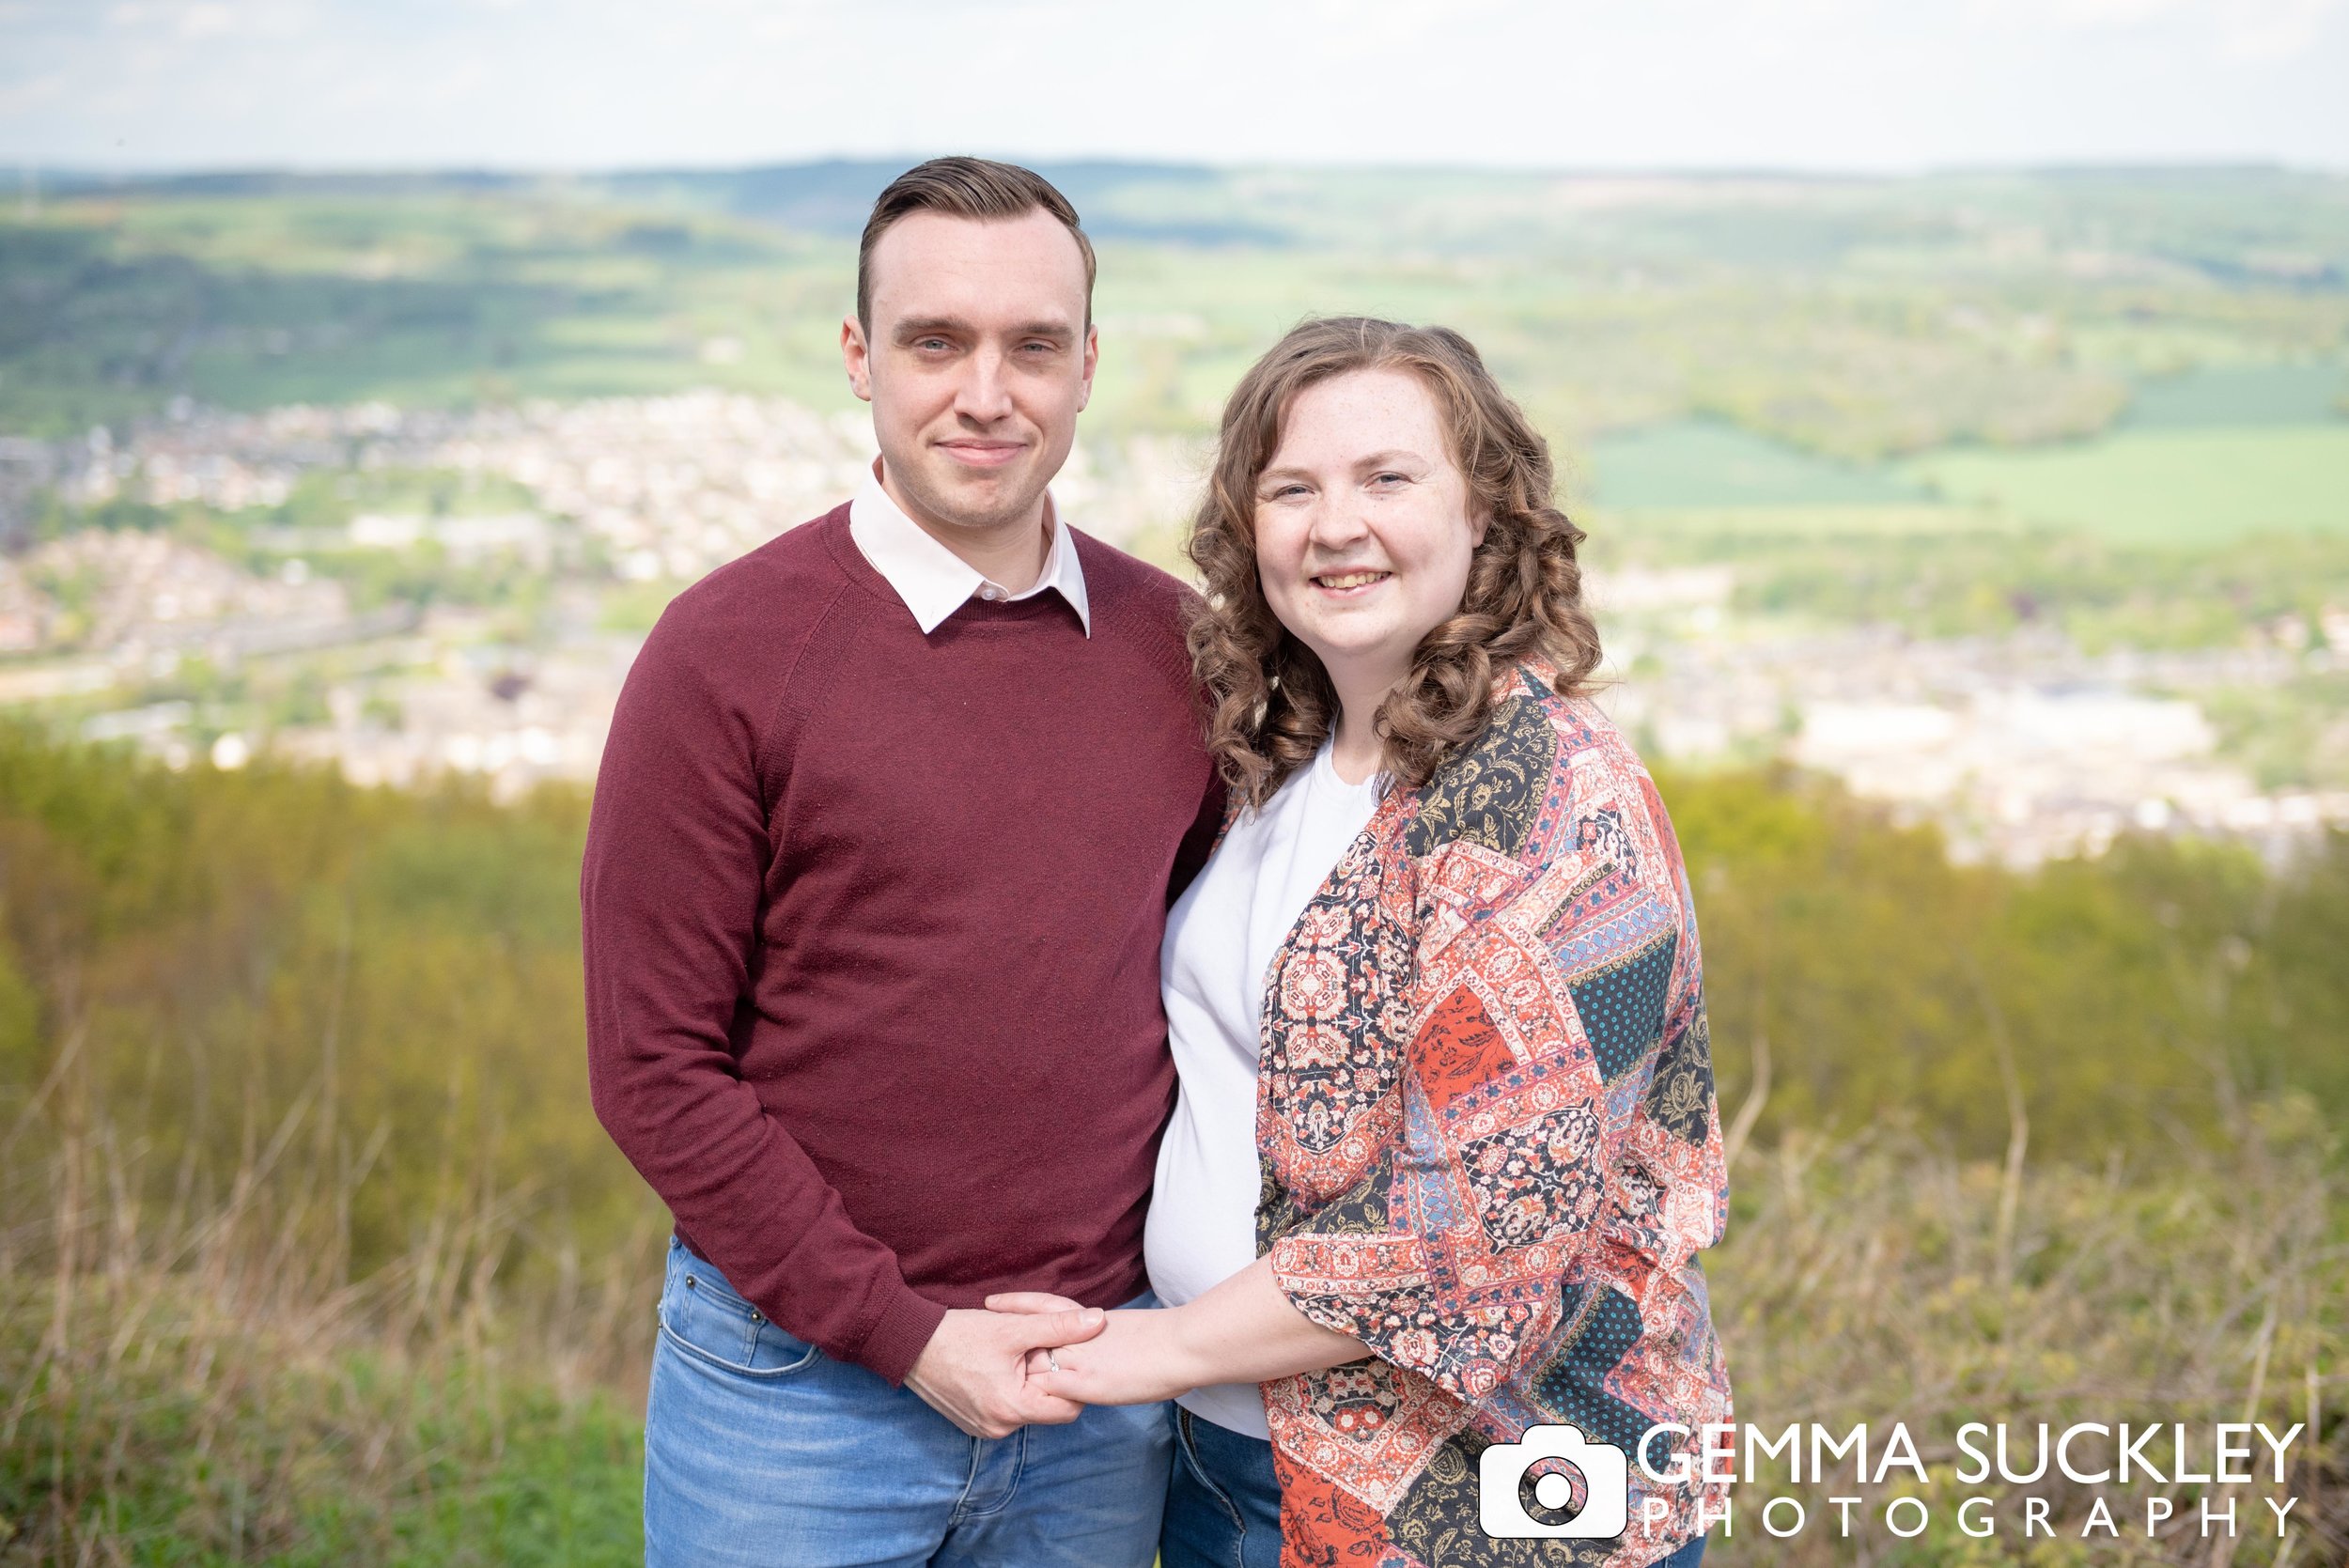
(985, 394)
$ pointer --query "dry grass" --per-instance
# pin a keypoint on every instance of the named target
(208, 1383)
(1878, 1281)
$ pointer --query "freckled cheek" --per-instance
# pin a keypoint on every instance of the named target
(1279, 557)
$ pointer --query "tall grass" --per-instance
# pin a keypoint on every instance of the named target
(311, 1251)
(209, 1382)
(1879, 1279)
(212, 1385)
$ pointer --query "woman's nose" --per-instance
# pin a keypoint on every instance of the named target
(1337, 522)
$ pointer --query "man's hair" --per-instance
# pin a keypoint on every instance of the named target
(963, 188)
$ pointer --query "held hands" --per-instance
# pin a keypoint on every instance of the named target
(1135, 1358)
(973, 1372)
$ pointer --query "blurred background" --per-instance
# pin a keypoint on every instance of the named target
(1957, 404)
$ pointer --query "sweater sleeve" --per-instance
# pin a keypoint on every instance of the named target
(1550, 976)
(670, 889)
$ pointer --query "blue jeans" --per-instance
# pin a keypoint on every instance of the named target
(761, 1451)
(1223, 1502)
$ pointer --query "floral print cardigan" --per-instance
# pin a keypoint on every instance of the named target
(1489, 1150)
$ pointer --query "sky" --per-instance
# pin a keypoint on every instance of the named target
(1863, 85)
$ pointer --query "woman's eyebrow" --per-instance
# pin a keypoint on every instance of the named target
(1389, 459)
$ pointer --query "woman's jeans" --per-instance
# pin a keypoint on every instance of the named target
(1223, 1502)
(760, 1450)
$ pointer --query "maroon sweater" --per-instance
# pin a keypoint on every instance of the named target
(871, 924)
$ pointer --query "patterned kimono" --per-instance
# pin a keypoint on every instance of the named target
(1489, 1150)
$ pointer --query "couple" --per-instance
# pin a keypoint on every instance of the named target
(1041, 993)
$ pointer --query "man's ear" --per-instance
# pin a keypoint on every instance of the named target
(856, 358)
(1093, 359)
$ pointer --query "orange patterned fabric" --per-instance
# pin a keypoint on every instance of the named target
(1490, 1150)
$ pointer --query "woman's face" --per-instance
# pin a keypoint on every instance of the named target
(1364, 526)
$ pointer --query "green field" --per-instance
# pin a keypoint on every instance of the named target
(1707, 464)
(2216, 397)
(1857, 320)
(2163, 487)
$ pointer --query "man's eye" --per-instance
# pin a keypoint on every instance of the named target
(928, 344)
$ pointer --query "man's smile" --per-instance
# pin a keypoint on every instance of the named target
(982, 452)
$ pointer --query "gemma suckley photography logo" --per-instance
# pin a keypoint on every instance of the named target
(2117, 1456)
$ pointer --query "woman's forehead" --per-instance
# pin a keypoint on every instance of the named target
(1345, 417)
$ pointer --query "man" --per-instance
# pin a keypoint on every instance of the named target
(874, 889)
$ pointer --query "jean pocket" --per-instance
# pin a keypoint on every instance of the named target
(705, 1316)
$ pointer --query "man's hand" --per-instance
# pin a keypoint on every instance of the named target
(973, 1372)
(1137, 1360)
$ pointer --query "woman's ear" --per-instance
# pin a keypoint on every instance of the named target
(1478, 522)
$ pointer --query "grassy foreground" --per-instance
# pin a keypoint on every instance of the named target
(225, 1408)
(312, 1252)
(181, 1396)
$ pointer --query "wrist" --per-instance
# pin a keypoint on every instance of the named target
(1181, 1354)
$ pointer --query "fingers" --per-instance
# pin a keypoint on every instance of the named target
(1029, 1406)
(1050, 1409)
(1058, 1328)
(1031, 1301)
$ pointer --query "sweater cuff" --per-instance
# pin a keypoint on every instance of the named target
(894, 1343)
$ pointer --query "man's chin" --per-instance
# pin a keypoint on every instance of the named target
(981, 500)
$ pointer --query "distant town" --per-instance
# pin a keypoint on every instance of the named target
(2021, 747)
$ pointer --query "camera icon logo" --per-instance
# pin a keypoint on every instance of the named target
(1516, 1481)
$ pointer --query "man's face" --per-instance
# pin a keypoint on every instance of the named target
(977, 363)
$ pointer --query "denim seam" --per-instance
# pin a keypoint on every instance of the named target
(1183, 1418)
(767, 1375)
(750, 1347)
(1011, 1487)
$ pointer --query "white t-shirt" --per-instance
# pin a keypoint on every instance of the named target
(1220, 938)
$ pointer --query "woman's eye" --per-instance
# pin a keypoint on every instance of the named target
(1398, 478)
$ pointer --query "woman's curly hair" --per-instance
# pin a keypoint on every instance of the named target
(1271, 703)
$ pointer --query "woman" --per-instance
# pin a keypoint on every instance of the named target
(1446, 1145)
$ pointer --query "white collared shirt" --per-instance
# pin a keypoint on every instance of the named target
(933, 581)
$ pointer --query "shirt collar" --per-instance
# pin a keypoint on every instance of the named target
(933, 581)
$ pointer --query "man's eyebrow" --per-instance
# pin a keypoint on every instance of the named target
(922, 326)
(917, 326)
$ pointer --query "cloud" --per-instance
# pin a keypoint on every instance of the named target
(1807, 84)
(21, 98)
(2278, 29)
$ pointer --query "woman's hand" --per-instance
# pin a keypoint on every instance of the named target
(1244, 1331)
(1135, 1360)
